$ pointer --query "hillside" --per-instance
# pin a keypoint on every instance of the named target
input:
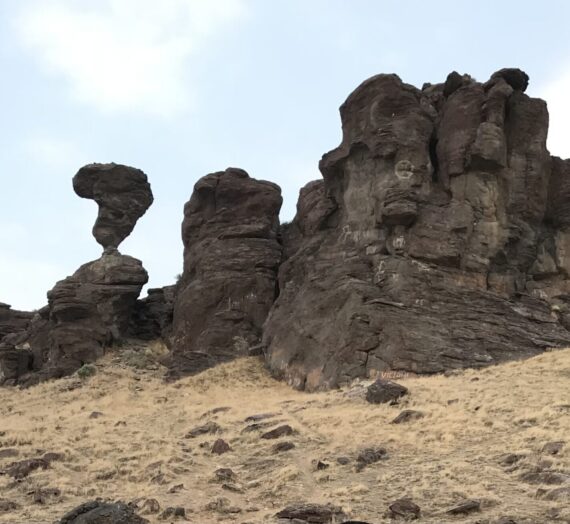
(123, 434)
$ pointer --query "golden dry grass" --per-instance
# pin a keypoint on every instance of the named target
(136, 448)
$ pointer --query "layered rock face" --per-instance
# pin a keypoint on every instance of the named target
(231, 258)
(93, 308)
(152, 315)
(123, 195)
(13, 321)
(90, 310)
(437, 239)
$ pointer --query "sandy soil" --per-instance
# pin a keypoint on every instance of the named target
(136, 446)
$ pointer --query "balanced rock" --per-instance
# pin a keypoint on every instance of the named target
(229, 282)
(93, 308)
(123, 195)
(436, 240)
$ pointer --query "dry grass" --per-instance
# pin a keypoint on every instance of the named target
(137, 447)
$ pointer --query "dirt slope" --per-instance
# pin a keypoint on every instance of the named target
(134, 447)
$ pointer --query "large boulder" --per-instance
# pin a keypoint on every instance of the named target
(123, 195)
(98, 512)
(91, 310)
(231, 258)
(437, 238)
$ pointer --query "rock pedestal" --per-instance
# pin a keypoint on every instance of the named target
(231, 257)
(93, 308)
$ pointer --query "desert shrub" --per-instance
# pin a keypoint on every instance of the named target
(86, 371)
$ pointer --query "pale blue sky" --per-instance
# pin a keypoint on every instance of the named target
(181, 88)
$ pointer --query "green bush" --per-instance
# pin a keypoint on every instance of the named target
(86, 371)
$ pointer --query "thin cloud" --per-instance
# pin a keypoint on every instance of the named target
(124, 55)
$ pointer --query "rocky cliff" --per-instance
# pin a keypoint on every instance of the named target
(438, 238)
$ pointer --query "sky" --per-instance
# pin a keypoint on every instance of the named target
(183, 88)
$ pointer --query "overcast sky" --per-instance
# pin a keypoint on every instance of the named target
(182, 88)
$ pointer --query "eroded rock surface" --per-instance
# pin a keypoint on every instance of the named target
(93, 308)
(231, 258)
(123, 195)
(437, 239)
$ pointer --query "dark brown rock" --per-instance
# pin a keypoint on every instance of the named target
(516, 78)
(405, 508)
(312, 513)
(464, 507)
(407, 416)
(553, 448)
(8, 453)
(225, 475)
(205, 429)
(152, 316)
(23, 468)
(91, 310)
(279, 431)
(150, 507)
(558, 494)
(123, 195)
(370, 456)
(260, 416)
(6, 506)
(545, 477)
(97, 512)
(383, 391)
(231, 258)
(280, 447)
(173, 512)
(45, 495)
(220, 447)
(13, 321)
(437, 249)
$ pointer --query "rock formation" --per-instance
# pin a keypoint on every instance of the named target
(123, 195)
(152, 315)
(13, 321)
(91, 309)
(231, 257)
(437, 239)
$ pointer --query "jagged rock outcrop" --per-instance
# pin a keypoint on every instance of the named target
(12, 320)
(437, 239)
(152, 315)
(93, 308)
(231, 258)
(123, 195)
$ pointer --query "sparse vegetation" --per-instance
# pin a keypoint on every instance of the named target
(481, 432)
(86, 371)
